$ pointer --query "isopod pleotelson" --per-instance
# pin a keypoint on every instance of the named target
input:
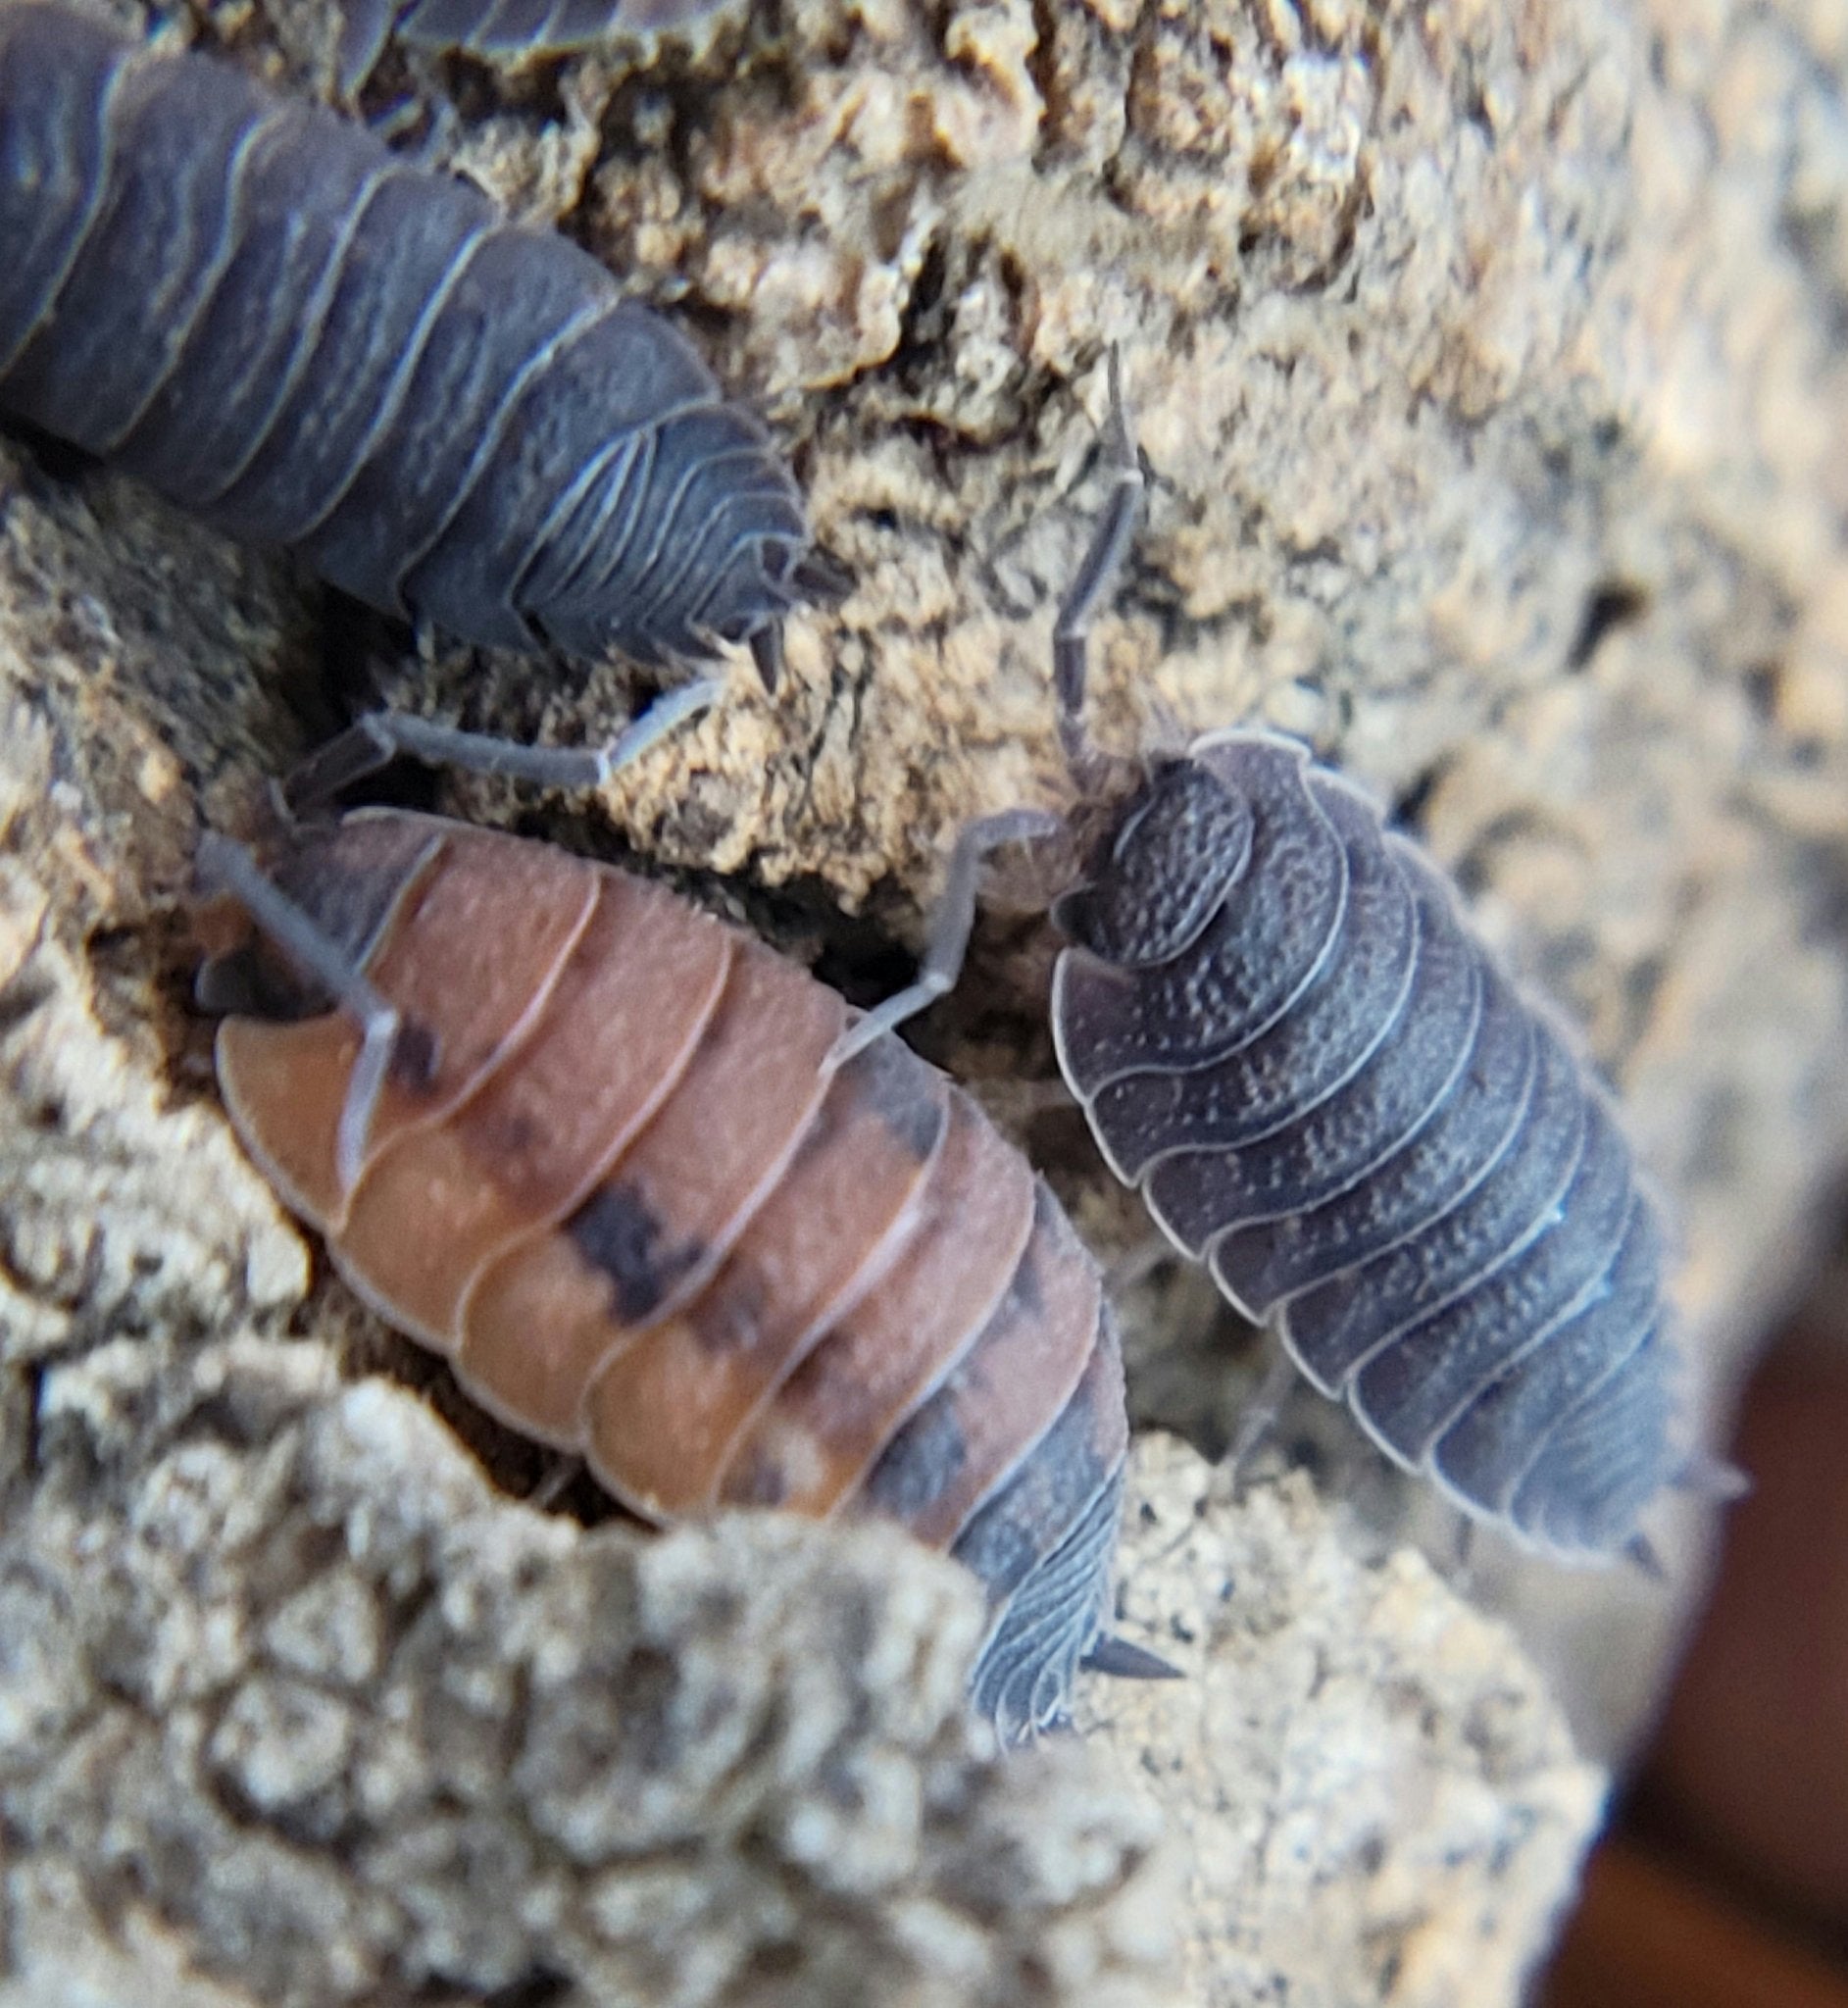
(257, 308)
(1287, 1035)
(506, 30)
(589, 1143)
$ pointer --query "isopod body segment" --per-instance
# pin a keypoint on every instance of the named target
(506, 30)
(618, 1184)
(1287, 1035)
(257, 308)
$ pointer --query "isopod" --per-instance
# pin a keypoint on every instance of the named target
(506, 30)
(257, 308)
(1288, 1037)
(589, 1143)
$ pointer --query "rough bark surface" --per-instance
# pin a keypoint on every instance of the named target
(1371, 1792)
(1489, 366)
(298, 1706)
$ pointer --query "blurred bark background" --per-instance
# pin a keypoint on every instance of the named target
(1726, 1883)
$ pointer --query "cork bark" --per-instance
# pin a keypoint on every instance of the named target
(1488, 366)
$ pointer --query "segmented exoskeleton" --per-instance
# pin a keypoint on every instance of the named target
(506, 30)
(254, 306)
(607, 1167)
(1286, 1035)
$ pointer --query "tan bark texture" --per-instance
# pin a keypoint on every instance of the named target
(1488, 363)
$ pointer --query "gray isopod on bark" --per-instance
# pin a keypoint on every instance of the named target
(257, 308)
(1288, 1037)
(506, 30)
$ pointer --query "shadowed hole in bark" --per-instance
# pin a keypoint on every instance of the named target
(1614, 604)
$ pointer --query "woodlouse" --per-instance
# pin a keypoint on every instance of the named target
(506, 30)
(257, 308)
(1285, 1033)
(611, 1171)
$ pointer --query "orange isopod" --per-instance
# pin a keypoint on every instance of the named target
(610, 1170)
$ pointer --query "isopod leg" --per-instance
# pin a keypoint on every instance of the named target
(375, 740)
(1117, 527)
(1261, 1413)
(563, 1470)
(951, 923)
(387, 1041)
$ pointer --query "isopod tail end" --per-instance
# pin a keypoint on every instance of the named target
(1705, 1476)
(812, 580)
(767, 652)
(819, 580)
(1121, 1659)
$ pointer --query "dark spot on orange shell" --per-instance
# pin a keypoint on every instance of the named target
(374, 861)
(616, 1233)
(899, 1086)
(919, 1464)
(729, 1322)
(414, 1057)
(762, 1482)
(1024, 1294)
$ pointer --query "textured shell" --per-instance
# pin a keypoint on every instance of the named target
(257, 308)
(644, 1223)
(503, 30)
(1288, 1037)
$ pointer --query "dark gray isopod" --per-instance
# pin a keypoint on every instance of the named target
(257, 308)
(1288, 1037)
(1286, 1034)
(505, 29)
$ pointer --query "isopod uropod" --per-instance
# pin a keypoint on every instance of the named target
(610, 1171)
(1287, 1035)
(257, 308)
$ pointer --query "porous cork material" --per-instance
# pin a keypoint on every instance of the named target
(1487, 367)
